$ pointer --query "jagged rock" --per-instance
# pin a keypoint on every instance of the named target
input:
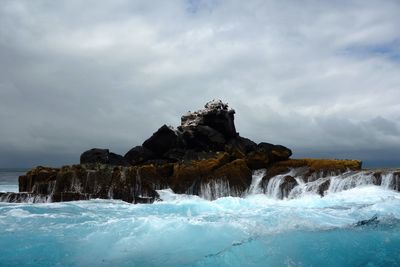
(209, 130)
(216, 115)
(102, 156)
(162, 140)
(138, 155)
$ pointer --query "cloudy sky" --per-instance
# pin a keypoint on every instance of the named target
(321, 77)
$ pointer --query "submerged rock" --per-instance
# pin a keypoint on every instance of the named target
(289, 182)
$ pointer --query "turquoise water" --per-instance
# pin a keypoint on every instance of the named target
(189, 231)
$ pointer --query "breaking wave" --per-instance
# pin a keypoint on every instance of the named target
(355, 223)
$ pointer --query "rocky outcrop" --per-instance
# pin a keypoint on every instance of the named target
(79, 182)
(205, 156)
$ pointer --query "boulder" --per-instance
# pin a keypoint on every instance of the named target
(275, 152)
(138, 155)
(95, 155)
(216, 115)
(102, 156)
(264, 154)
(244, 145)
(162, 140)
(204, 138)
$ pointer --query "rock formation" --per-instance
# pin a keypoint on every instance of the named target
(204, 151)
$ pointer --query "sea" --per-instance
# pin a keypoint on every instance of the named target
(359, 226)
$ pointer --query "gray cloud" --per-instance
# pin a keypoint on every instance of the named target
(319, 77)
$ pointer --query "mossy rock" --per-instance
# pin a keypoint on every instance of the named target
(257, 159)
(237, 173)
(186, 175)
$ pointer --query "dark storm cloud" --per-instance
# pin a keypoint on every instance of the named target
(318, 76)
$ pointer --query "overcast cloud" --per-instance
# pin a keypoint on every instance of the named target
(321, 77)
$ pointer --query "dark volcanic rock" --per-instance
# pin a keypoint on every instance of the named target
(115, 159)
(275, 152)
(323, 187)
(204, 138)
(95, 155)
(102, 156)
(162, 140)
(139, 154)
(216, 115)
(244, 145)
(209, 129)
(287, 185)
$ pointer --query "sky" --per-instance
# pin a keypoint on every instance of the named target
(320, 77)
